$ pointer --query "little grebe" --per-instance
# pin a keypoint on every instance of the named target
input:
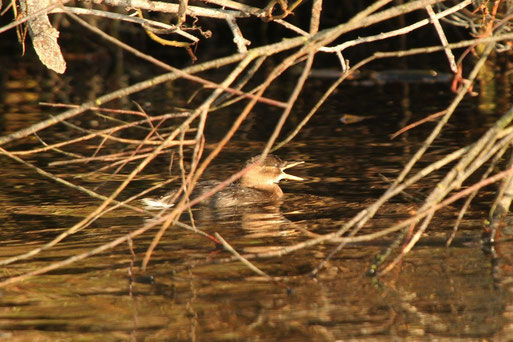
(258, 185)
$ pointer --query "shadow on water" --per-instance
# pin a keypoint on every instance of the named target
(439, 292)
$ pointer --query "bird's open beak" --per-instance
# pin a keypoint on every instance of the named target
(286, 175)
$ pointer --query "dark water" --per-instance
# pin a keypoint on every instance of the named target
(437, 293)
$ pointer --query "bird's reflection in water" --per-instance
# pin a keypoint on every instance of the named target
(254, 221)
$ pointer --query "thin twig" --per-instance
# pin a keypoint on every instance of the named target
(245, 261)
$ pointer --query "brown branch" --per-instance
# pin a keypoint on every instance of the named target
(418, 123)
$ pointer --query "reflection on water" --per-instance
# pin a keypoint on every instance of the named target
(438, 293)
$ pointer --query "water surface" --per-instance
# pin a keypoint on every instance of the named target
(437, 293)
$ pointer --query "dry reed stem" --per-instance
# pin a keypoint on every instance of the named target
(245, 261)
(417, 123)
(145, 23)
(443, 38)
(499, 151)
(501, 205)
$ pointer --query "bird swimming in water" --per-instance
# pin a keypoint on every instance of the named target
(258, 185)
